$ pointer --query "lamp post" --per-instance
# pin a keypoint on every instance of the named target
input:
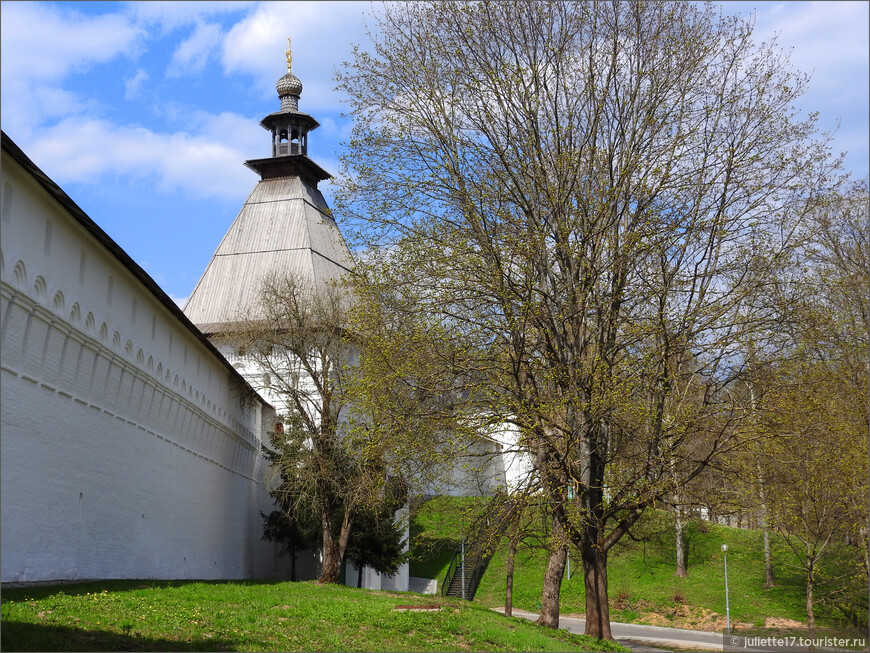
(727, 608)
(570, 498)
(463, 556)
(569, 563)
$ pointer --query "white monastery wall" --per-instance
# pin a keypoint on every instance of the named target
(129, 448)
(477, 469)
(514, 460)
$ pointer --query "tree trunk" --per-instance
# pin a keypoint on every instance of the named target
(678, 525)
(681, 551)
(553, 579)
(509, 583)
(359, 576)
(333, 551)
(864, 550)
(768, 563)
(811, 615)
(331, 570)
(595, 578)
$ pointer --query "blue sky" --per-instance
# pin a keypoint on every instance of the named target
(145, 112)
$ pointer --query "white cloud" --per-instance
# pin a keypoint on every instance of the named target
(83, 151)
(70, 135)
(41, 46)
(830, 41)
(336, 130)
(322, 33)
(132, 85)
(47, 43)
(830, 38)
(26, 106)
(82, 140)
(180, 301)
(169, 16)
(236, 132)
(191, 55)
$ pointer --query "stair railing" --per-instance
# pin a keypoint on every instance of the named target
(479, 549)
(451, 571)
(473, 579)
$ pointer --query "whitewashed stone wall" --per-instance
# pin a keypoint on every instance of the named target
(129, 449)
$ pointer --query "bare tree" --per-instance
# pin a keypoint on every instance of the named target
(416, 393)
(588, 195)
(814, 478)
(840, 255)
(295, 340)
(815, 475)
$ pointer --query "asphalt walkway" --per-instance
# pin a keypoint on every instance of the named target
(641, 638)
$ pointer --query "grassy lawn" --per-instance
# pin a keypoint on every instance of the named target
(276, 616)
(641, 581)
(259, 616)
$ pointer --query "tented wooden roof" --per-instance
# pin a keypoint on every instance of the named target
(284, 227)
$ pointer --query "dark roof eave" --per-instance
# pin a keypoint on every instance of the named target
(266, 122)
(9, 146)
(287, 166)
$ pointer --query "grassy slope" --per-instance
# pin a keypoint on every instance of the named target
(252, 616)
(641, 577)
(435, 533)
(643, 581)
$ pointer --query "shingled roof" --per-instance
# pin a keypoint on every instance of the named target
(284, 227)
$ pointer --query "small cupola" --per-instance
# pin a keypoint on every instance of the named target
(289, 128)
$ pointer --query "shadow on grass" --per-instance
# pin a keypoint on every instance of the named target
(18, 636)
(77, 588)
(430, 557)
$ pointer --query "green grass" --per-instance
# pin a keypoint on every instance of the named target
(641, 580)
(250, 616)
(644, 581)
(259, 616)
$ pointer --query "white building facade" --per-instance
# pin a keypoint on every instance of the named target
(130, 447)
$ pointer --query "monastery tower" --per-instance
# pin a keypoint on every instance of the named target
(284, 227)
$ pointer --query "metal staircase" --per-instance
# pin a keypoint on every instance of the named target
(475, 565)
(479, 549)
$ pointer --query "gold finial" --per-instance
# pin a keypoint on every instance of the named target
(289, 55)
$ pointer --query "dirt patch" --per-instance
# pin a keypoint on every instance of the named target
(659, 646)
(686, 616)
(417, 608)
(779, 622)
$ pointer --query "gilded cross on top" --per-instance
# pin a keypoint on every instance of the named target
(289, 55)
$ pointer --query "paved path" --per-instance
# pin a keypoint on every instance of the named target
(642, 638)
